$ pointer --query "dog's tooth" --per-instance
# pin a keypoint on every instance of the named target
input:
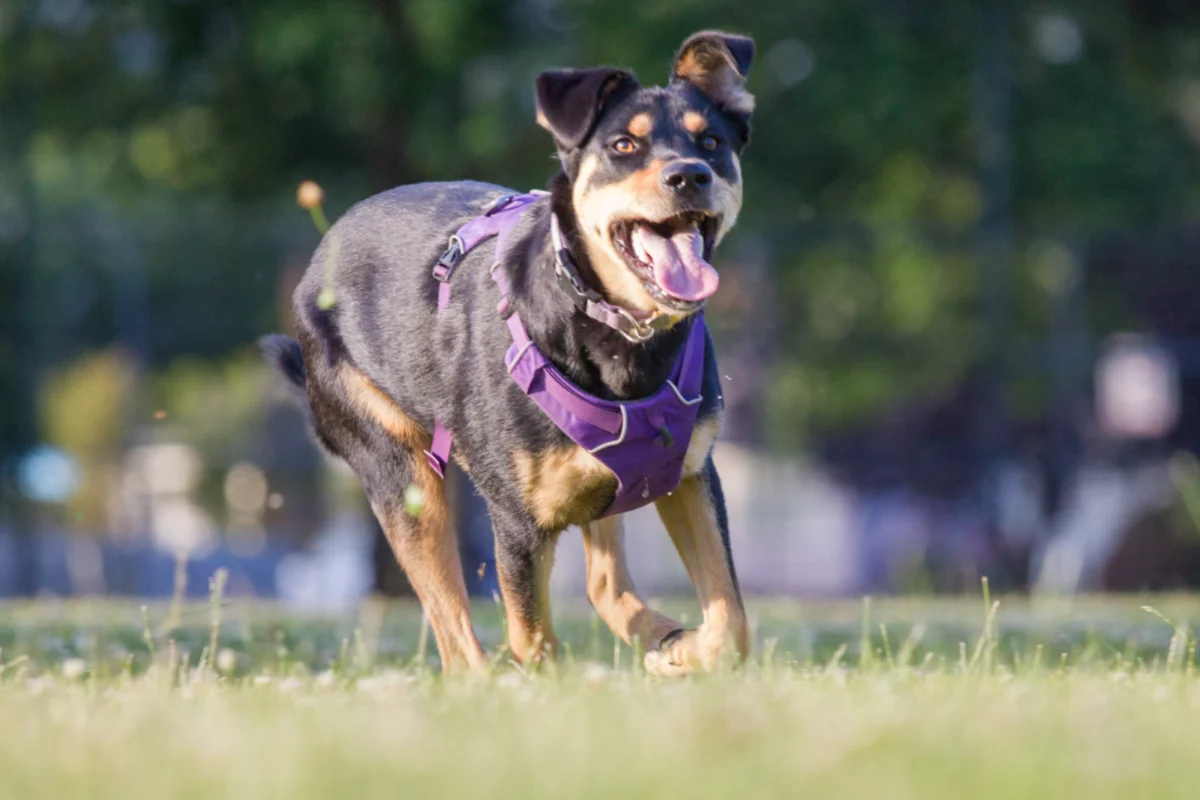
(638, 249)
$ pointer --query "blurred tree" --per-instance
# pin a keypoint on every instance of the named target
(162, 142)
(83, 409)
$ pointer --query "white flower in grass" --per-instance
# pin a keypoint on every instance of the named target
(595, 674)
(226, 660)
(510, 680)
(384, 681)
(290, 685)
(73, 668)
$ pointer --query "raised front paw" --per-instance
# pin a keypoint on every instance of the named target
(686, 651)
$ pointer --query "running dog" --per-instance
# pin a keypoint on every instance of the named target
(567, 360)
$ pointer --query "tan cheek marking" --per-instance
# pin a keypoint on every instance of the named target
(641, 125)
(694, 122)
(703, 438)
(727, 197)
(631, 191)
(557, 484)
(635, 195)
(582, 189)
(639, 195)
(645, 180)
(371, 401)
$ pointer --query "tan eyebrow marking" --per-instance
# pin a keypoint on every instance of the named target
(694, 121)
(641, 125)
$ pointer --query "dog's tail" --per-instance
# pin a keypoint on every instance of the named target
(284, 354)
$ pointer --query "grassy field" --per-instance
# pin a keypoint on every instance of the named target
(897, 698)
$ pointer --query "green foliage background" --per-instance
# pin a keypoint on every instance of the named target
(149, 151)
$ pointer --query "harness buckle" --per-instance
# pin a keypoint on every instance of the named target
(497, 204)
(450, 259)
(569, 279)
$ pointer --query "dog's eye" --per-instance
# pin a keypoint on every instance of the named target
(710, 141)
(624, 145)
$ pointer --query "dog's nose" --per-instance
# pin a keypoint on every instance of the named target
(687, 177)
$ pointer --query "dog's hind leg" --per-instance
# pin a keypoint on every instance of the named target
(417, 520)
(524, 559)
(426, 546)
(694, 515)
(610, 587)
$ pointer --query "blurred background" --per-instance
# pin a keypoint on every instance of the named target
(959, 322)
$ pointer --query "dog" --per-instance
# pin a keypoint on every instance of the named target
(650, 182)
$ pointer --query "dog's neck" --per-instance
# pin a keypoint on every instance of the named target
(597, 358)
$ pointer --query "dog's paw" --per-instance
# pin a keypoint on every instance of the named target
(687, 651)
(673, 656)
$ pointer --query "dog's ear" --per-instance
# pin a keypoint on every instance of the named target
(569, 101)
(717, 64)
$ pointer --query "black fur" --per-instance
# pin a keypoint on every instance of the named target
(571, 100)
(377, 260)
(283, 353)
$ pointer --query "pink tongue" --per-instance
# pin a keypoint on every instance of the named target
(679, 266)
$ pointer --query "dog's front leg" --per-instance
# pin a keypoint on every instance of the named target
(694, 515)
(610, 587)
(524, 558)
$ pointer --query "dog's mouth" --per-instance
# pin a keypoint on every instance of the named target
(670, 256)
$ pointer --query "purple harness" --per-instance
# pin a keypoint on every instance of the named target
(643, 442)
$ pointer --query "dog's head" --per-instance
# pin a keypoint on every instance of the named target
(654, 172)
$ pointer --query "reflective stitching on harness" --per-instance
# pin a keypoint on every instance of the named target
(517, 358)
(679, 394)
(619, 439)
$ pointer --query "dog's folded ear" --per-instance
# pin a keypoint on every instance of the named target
(717, 63)
(569, 101)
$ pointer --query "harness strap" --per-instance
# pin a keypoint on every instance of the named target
(490, 223)
(555, 386)
(691, 375)
(494, 221)
(564, 394)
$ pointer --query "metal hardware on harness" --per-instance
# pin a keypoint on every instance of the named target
(643, 329)
(499, 203)
(450, 259)
(456, 251)
(568, 278)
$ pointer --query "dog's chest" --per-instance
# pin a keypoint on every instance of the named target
(566, 485)
(563, 485)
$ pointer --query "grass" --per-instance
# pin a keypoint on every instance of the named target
(897, 698)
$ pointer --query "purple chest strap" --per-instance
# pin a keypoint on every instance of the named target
(642, 442)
